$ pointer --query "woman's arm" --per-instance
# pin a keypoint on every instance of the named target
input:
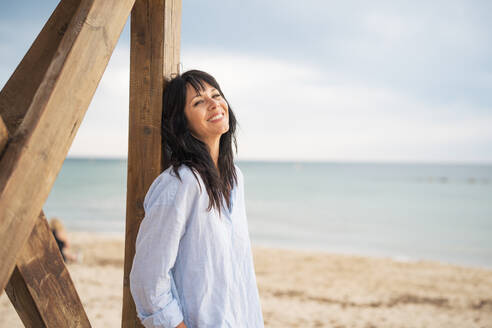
(150, 278)
(168, 206)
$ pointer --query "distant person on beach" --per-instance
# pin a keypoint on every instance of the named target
(193, 265)
(61, 238)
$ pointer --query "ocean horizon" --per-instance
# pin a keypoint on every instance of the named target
(406, 211)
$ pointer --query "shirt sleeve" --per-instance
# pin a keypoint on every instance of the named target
(151, 280)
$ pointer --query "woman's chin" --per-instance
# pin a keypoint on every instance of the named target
(222, 130)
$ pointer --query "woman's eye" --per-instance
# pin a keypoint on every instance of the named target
(198, 102)
(217, 95)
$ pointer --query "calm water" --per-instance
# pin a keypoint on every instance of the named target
(406, 211)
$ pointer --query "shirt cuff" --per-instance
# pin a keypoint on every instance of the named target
(169, 317)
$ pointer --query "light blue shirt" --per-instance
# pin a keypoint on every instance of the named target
(191, 264)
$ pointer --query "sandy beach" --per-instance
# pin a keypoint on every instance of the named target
(307, 289)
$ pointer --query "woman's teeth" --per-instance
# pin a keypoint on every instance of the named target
(216, 117)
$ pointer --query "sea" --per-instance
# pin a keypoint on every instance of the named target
(408, 212)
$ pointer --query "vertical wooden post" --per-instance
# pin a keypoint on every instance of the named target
(155, 43)
(4, 136)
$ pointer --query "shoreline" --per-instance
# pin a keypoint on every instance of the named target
(300, 287)
(370, 254)
(319, 250)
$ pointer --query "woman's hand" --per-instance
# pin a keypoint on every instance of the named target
(181, 325)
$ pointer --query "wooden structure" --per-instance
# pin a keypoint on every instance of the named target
(41, 108)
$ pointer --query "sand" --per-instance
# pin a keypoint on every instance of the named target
(307, 289)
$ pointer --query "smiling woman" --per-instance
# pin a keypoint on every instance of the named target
(193, 265)
(191, 134)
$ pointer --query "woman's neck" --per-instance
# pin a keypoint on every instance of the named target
(214, 148)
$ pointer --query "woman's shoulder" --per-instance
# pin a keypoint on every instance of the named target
(167, 185)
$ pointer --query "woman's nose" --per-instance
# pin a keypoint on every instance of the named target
(213, 103)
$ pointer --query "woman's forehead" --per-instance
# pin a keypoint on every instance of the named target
(192, 92)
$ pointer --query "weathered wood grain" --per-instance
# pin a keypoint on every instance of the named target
(16, 289)
(38, 147)
(19, 91)
(4, 135)
(50, 289)
(40, 287)
(155, 35)
(22, 301)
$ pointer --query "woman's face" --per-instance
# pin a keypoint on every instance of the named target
(207, 113)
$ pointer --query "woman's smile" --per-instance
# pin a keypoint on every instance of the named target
(216, 118)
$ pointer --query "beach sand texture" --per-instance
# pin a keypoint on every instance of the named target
(307, 289)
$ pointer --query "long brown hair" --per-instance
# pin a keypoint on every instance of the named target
(180, 147)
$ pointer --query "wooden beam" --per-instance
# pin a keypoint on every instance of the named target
(4, 135)
(41, 283)
(17, 289)
(38, 147)
(155, 43)
(21, 299)
(40, 287)
(19, 91)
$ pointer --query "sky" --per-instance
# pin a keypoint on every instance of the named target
(358, 81)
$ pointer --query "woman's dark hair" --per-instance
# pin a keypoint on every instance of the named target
(180, 147)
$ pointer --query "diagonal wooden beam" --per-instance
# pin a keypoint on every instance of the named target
(19, 91)
(40, 287)
(21, 298)
(155, 43)
(38, 147)
(41, 272)
(16, 288)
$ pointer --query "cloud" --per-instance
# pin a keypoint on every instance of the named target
(288, 111)
(319, 80)
(437, 50)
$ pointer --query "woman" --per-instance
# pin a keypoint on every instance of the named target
(193, 265)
